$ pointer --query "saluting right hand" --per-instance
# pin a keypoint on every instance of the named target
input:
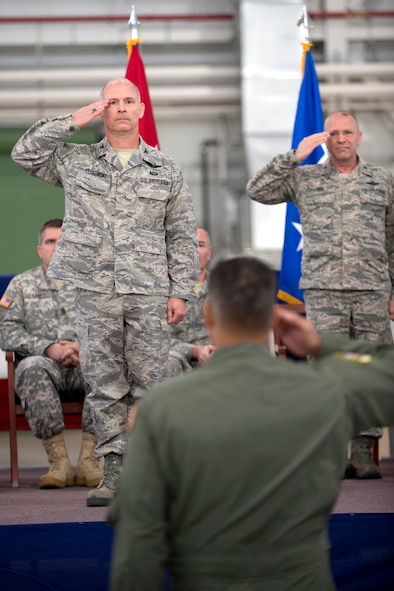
(309, 143)
(86, 114)
(296, 332)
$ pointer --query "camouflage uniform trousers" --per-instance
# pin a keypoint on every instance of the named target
(124, 341)
(38, 381)
(357, 314)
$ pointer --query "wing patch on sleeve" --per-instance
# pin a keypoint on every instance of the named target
(362, 358)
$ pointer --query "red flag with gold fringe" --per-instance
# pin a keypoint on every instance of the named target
(135, 72)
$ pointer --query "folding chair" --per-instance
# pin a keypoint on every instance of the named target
(72, 404)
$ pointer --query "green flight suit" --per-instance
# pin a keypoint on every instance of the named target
(234, 468)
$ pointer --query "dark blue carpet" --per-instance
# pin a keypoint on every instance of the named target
(362, 551)
(76, 556)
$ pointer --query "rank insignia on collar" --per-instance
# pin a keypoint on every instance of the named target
(6, 301)
(362, 358)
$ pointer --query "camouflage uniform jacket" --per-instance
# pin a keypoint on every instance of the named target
(347, 220)
(131, 228)
(39, 314)
(191, 330)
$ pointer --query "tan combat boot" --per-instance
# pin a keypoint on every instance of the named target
(89, 472)
(361, 463)
(104, 493)
(60, 473)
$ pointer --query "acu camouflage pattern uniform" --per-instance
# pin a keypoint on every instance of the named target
(348, 234)
(41, 313)
(128, 232)
(189, 332)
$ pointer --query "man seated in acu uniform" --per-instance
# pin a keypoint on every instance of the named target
(37, 321)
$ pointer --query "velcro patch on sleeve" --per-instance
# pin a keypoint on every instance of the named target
(6, 301)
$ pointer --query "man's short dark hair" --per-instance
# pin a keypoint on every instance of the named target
(242, 292)
(55, 223)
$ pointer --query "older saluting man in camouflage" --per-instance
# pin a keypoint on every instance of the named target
(347, 215)
(129, 246)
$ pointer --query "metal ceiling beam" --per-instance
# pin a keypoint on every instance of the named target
(183, 73)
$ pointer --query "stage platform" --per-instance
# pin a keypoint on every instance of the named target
(50, 539)
(28, 504)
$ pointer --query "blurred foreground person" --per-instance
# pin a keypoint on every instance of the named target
(235, 468)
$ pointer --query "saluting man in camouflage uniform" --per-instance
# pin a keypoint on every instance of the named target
(347, 215)
(129, 246)
(37, 321)
(190, 339)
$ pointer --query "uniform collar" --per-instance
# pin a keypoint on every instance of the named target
(45, 280)
(361, 168)
(236, 352)
(145, 153)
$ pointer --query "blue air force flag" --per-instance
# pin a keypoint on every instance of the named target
(309, 120)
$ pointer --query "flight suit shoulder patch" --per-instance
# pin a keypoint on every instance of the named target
(362, 358)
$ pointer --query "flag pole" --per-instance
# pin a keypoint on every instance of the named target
(135, 72)
(308, 120)
(133, 24)
(304, 21)
(306, 42)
